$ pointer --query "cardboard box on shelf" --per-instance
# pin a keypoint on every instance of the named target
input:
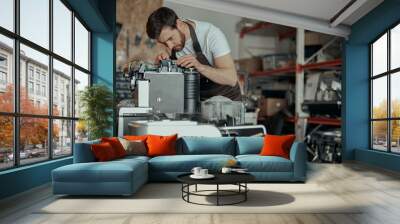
(274, 61)
(271, 106)
(249, 64)
(313, 38)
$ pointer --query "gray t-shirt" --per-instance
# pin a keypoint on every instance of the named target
(212, 41)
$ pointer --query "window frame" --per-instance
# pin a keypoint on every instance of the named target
(16, 114)
(388, 74)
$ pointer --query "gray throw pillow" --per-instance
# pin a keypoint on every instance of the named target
(137, 148)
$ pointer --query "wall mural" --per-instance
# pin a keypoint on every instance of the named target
(133, 44)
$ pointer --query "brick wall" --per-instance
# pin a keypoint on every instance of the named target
(132, 41)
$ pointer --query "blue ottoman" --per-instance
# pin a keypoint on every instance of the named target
(118, 177)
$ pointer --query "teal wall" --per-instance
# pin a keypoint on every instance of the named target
(103, 52)
(356, 86)
(24, 178)
(100, 17)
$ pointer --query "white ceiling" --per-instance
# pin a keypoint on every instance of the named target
(312, 15)
(320, 9)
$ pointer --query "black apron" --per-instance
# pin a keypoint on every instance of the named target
(209, 88)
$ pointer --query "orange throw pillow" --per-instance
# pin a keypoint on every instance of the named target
(136, 137)
(277, 145)
(161, 145)
(103, 151)
(116, 145)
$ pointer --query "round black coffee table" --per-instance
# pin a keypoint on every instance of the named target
(238, 179)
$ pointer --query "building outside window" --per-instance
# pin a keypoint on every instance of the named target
(3, 78)
(38, 89)
(30, 87)
(43, 78)
(3, 72)
(37, 75)
(3, 61)
(55, 97)
(30, 72)
(43, 90)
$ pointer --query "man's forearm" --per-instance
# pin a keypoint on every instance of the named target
(223, 76)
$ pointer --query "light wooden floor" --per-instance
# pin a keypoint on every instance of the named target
(378, 188)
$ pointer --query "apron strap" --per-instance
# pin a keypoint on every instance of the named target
(195, 41)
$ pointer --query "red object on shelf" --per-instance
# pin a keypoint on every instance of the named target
(257, 26)
(293, 69)
(324, 64)
(319, 120)
(287, 34)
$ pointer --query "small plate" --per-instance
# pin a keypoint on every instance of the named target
(208, 176)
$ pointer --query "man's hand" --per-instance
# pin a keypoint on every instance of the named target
(190, 61)
(162, 56)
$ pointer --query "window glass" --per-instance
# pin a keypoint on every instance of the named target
(395, 47)
(6, 142)
(62, 29)
(6, 74)
(379, 56)
(62, 137)
(39, 62)
(62, 91)
(34, 21)
(81, 45)
(33, 140)
(395, 136)
(379, 135)
(7, 14)
(379, 98)
(81, 131)
(81, 81)
(395, 95)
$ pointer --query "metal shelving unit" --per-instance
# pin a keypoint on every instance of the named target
(331, 64)
(320, 120)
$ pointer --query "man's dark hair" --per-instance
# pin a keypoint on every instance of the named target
(158, 20)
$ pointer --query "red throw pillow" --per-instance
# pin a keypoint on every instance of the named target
(161, 145)
(103, 151)
(136, 137)
(277, 145)
(116, 145)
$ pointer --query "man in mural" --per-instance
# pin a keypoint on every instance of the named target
(200, 45)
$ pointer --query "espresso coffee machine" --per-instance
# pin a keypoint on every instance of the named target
(167, 88)
(160, 92)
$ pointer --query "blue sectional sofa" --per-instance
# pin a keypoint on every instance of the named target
(125, 176)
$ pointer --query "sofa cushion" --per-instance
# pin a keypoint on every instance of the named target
(133, 157)
(190, 145)
(249, 145)
(111, 171)
(134, 147)
(136, 137)
(277, 145)
(185, 163)
(161, 145)
(103, 152)
(116, 145)
(257, 163)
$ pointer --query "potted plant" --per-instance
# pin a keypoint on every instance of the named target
(97, 103)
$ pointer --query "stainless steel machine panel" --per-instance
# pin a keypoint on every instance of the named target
(166, 92)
